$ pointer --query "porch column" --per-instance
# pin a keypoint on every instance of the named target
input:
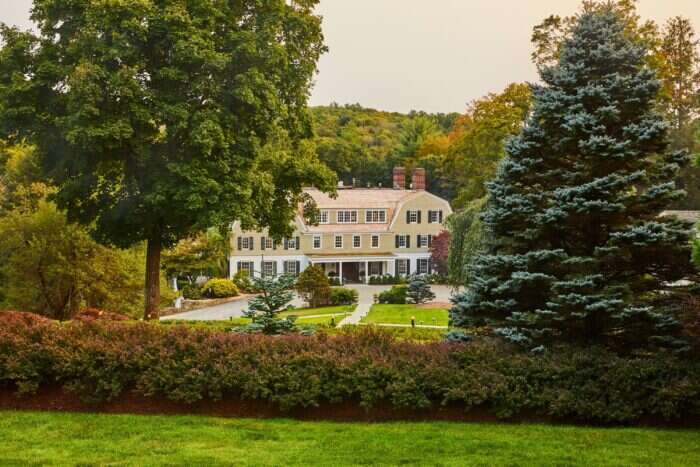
(366, 272)
(340, 273)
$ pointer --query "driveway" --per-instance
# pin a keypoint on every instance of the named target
(235, 309)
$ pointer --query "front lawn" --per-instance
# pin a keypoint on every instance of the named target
(401, 314)
(46, 438)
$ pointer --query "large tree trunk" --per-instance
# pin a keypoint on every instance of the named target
(153, 248)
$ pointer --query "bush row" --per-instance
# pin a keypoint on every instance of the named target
(101, 360)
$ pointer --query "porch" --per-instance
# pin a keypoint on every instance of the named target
(355, 269)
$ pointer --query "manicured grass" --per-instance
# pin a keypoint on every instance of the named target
(69, 439)
(326, 310)
(340, 312)
(401, 314)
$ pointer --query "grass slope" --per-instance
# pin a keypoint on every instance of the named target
(401, 314)
(69, 439)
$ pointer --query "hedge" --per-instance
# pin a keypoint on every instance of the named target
(99, 361)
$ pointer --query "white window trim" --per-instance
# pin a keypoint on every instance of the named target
(411, 215)
(351, 212)
(264, 272)
(313, 242)
(418, 265)
(423, 241)
(379, 241)
(335, 241)
(245, 243)
(435, 212)
(324, 213)
(359, 237)
(404, 263)
(269, 244)
(403, 237)
(368, 213)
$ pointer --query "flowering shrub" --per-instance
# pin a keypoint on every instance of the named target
(100, 361)
(219, 288)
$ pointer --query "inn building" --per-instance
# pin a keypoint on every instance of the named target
(363, 232)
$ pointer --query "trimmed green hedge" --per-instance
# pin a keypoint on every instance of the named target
(102, 360)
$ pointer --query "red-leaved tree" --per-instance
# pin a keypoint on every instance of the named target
(439, 250)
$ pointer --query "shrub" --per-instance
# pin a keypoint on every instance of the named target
(334, 281)
(313, 286)
(100, 361)
(343, 296)
(419, 290)
(243, 282)
(192, 292)
(386, 279)
(220, 288)
(395, 295)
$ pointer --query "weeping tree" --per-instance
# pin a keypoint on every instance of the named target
(577, 250)
(159, 119)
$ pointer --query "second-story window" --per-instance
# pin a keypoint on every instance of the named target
(347, 217)
(434, 217)
(375, 216)
(413, 217)
(375, 241)
(403, 241)
(268, 243)
(323, 217)
(245, 243)
(356, 241)
(339, 241)
(317, 242)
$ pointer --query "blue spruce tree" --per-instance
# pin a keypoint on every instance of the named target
(578, 251)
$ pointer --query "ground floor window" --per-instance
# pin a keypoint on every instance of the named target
(269, 268)
(423, 266)
(246, 266)
(402, 267)
(292, 267)
(375, 268)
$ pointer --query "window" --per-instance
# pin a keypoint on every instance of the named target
(323, 217)
(356, 241)
(424, 241)
(375, 216)
(290, 243)
(269, 268)
(244, 243)
(246, 266)
(339, 241)
(266, 243)
(347, 217)
(413, 217)
(402, 241)
(375, 268)
(422, 266)
(291, 267)
(434, 217)
(375, 241)
(402, 266)
(317, 242)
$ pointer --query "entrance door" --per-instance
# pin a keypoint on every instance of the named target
(351, 273)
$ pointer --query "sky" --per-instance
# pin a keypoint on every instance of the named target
(431, 55)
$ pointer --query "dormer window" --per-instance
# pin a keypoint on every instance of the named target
(375, 216)
(347, 217)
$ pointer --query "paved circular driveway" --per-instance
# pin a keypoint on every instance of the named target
(235, 309)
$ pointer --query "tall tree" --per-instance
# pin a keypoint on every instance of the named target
(577, 250)
(158, 119)
(478, 140)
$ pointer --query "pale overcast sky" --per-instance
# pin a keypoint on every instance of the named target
(432, 55)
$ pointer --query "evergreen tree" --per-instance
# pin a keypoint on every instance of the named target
(275, 294)
(577, 250)
(419, 290)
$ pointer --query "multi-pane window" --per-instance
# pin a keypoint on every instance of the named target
(356, 241)
(291, 267)
(323, 217)
(402, 241)
(412, 217)
(268, 243)
(375, 268)
(375, 216)
(434, 217)
(339, 241)
(402, 267)
(246, 266)
(424, 241)
(317, 242)
(347, 217)
(422, 266)
(375, 241)
(245, 243)
(269, 268)
(290, 243)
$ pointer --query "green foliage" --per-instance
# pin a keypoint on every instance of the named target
(386, 279)
(204, 254)
(53, 267)
(220, 288)
(577, 251)
(468, 239)
(102, 361)
(192, 292)
(343, 296)
(313, 286)
(419, 290)
(479, 137)
(243, 282)
(395, 295)
(158, 120)
(696, 246)
(275, 295)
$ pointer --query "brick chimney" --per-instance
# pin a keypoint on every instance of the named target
(418, 179)
(399, 178)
